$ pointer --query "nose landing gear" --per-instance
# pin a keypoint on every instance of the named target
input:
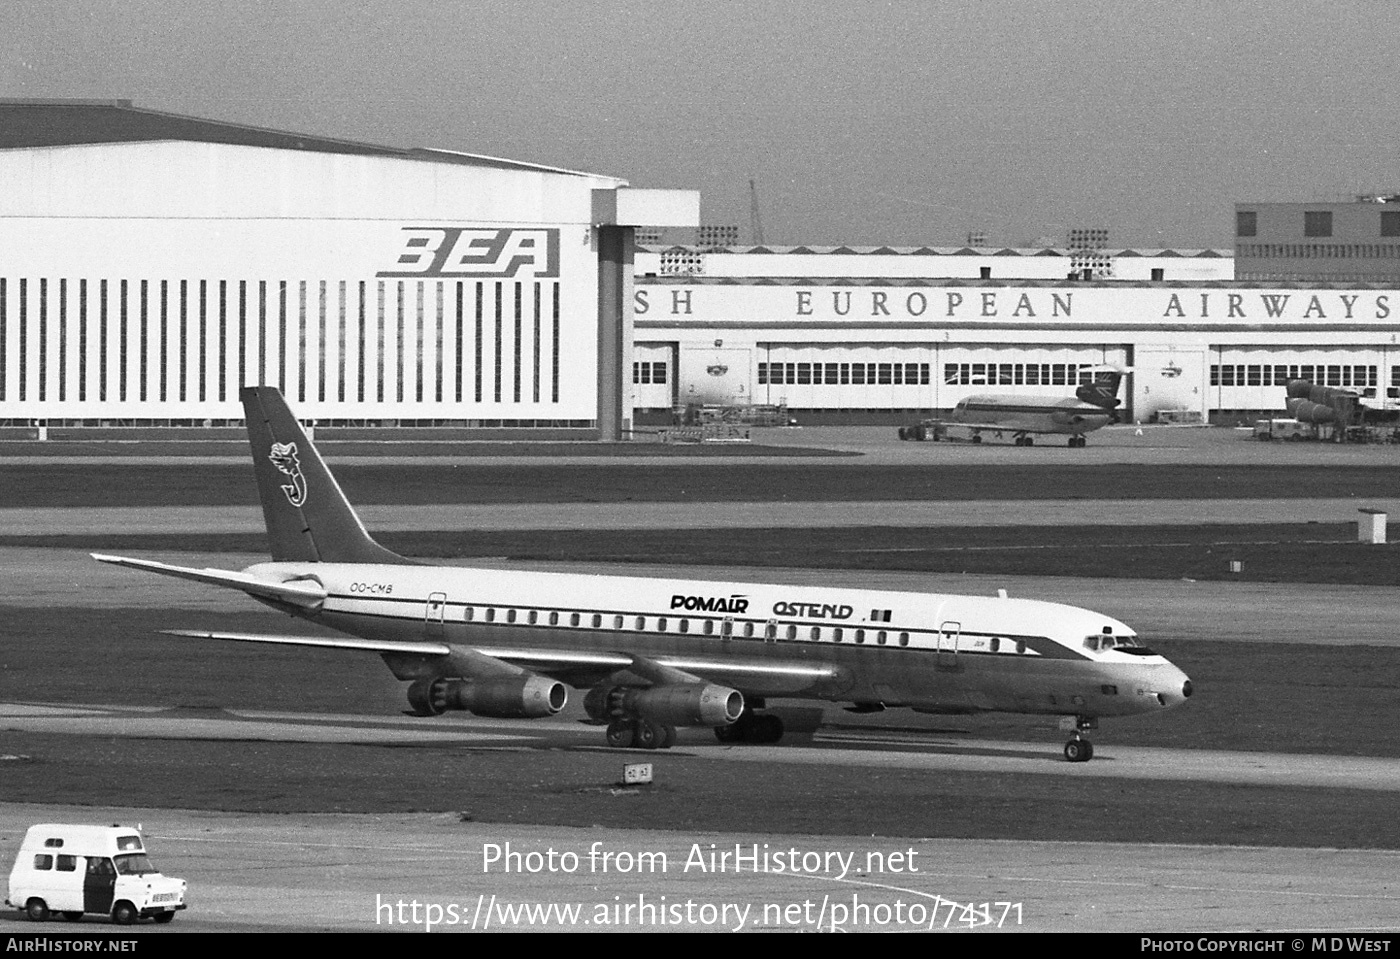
(1079, 749)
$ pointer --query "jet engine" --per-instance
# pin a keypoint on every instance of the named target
(518, 697)
(1306, 411)
(681, 704)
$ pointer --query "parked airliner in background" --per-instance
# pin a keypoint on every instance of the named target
(1094, 405)
(655, 654)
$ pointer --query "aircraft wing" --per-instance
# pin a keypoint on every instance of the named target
(773, 677)
(301, 592)
(578, 668)
(323, 642)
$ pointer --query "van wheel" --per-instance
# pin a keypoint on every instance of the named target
(36, 909)
(123, 913)
(72, 916)
(165, 916)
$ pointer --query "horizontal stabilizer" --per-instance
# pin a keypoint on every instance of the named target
(301, 592)
(325, 642)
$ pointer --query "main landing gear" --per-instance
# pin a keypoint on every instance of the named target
(1026, 440)
(640, 734)
(751, 727)
(1079, 749)
(1077, 441)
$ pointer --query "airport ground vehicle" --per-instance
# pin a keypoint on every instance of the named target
(1283, 428)
(76, 869)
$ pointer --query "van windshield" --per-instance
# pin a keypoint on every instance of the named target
(135, 864)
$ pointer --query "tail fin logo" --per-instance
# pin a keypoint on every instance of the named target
(284, 457)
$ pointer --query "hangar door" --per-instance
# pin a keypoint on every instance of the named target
(1166, 378)
(716, 374)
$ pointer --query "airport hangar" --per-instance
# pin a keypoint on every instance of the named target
(878, 335)
(151, 264)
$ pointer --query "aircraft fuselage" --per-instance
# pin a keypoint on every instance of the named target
(934, 652)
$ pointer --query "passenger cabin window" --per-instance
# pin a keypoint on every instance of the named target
(748, 630)
(837, 633)
(468, 613)
(597, 620)
(617, 622)
(534, 616)
(641, 622)
(510, 615)
(860, 635)
(661, 625)
(904, 639)
(554, 619)
(684, 625)
(573, 619)
(491, 615)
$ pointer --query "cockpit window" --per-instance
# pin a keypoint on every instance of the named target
(1106, 641)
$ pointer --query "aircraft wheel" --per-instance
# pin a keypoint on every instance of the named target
(727, 734)
(668, 737)
(1030, 440)
(920, 433)
(36, 909)
(768, 729)
(646, 735)
(620, 734)
(976, 437)
(1079, 750)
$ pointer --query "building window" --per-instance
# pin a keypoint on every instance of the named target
(1317, 223)
(1246, 223)
(1390, 223)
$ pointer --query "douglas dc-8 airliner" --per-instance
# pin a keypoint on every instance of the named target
(655, 654)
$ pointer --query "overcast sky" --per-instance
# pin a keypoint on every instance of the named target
(862, 122)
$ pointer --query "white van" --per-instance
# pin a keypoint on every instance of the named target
(100, 869)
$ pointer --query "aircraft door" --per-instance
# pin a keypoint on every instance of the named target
(433, 615)
(948, 634)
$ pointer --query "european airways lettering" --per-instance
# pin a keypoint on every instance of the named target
(711, 604)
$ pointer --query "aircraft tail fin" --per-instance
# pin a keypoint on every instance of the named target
(1103, 391)
(308, 517)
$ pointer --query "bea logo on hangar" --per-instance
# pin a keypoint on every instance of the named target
(458, 252)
